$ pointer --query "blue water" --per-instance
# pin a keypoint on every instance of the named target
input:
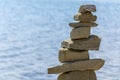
(31, 32)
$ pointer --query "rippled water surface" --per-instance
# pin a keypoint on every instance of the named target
(31, 32)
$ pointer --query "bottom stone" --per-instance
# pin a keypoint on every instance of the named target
(78, 75)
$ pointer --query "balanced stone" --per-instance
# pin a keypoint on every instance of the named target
(78, 75)
(66, 55)
(86, 17)
(90, 43)
(87, 8)
(93, 64)
(81, 32)
(79, 24)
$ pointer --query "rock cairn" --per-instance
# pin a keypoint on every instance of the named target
(74, 52)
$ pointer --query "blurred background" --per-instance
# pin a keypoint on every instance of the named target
(31, 32)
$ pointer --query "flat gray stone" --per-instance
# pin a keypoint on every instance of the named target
(79, 24)
(90, 43)
(66, 55)
(78, 75)
(81, 32)
(93, 64)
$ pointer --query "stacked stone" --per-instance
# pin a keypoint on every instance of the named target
(74, 52)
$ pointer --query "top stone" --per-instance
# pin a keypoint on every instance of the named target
(87, 8)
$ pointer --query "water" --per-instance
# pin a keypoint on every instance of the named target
(31, 32)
